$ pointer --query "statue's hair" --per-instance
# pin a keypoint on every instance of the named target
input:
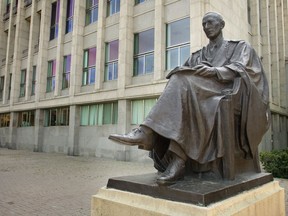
(218, 15)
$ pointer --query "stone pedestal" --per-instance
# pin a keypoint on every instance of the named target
(267, 199)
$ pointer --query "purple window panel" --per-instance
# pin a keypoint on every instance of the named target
(54, 68)
(92, 57)
(114, 50)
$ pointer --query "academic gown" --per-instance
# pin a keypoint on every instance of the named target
(188, 109)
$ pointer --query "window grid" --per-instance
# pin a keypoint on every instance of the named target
(2, 78)
(113, 7)
(144, 53)
(178, 43)
(51, 76)
(89, 70)
(69, 17)
(139, 1)
(26, 119)
(140, 109)
(10, 85)
(22, 83)
(56, 117)
(111, 62)
(66, 72)
(4, 119)
(99, 114)
(54, 20)
(91, 11)
(33, 80)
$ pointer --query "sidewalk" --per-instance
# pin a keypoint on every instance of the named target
(55, 184)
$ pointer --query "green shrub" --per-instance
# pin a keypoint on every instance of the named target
(276, 162)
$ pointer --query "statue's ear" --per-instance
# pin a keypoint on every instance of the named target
(222, 24)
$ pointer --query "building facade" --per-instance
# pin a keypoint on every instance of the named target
(72, 72)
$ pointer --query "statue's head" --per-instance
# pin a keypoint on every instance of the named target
(213, 24)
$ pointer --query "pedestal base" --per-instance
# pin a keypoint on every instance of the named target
(267, 199)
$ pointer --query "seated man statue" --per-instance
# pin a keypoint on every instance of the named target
(187, 112)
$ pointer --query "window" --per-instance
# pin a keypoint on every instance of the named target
(9, 88)
(178, 46)
(54, 20)
(33, 80)
(141, 108)
(99, 114)
(144, 52)
(22, 83)
(4, 119)
(111, 62)
(2, 78)
(8, 5)
(51, 76)
(26, 119)
(91, 11)
(56, 117)
(139, 1)
(249, 11)
(113, 7)
(69, 16)
(66, 72)
(89, 70)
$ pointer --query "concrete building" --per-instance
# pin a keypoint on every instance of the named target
(72, 72)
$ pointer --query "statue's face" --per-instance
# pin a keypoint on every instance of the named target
(212, 25)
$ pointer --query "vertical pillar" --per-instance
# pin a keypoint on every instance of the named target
(39, 129)
(19, 42)
(124, 106)
(100, 46)
(9, 54)
(34, 23)
(74, 124)
(42, 63)
(274, 52)
(125, 45)
(197, 36)
(160, 42)
(60, 51)
(77, 48)
(13, 131)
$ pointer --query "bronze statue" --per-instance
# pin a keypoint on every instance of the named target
(185, 123)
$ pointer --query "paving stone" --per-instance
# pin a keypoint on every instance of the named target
(42, 184)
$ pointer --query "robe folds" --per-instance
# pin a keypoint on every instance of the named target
(187, 111)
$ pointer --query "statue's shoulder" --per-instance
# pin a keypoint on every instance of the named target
(238, 43)
(197, 53)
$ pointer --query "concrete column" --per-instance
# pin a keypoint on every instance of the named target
(13, 131)
(197, 36)
(39, 129)
(74, 124)
(60, 51)
(126, 38)
(160, 41)
(77, 48)
(123, 126)
(274, 52)
(266, 50)
(100, 46)
(9, 55)
(281, 55)
(42, 64)
(33, 40)
(20, 42)
(3, 36)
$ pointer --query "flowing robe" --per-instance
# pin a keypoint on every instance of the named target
(188, 109)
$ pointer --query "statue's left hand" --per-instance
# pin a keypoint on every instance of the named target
(204, 70)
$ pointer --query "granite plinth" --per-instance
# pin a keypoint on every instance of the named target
(194, 190)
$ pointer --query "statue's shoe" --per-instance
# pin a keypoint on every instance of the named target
(136, 137)
(174, 172)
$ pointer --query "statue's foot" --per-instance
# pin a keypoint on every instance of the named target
(174, 172)
(144, 138)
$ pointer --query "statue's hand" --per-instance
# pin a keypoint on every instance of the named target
(204, 70)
